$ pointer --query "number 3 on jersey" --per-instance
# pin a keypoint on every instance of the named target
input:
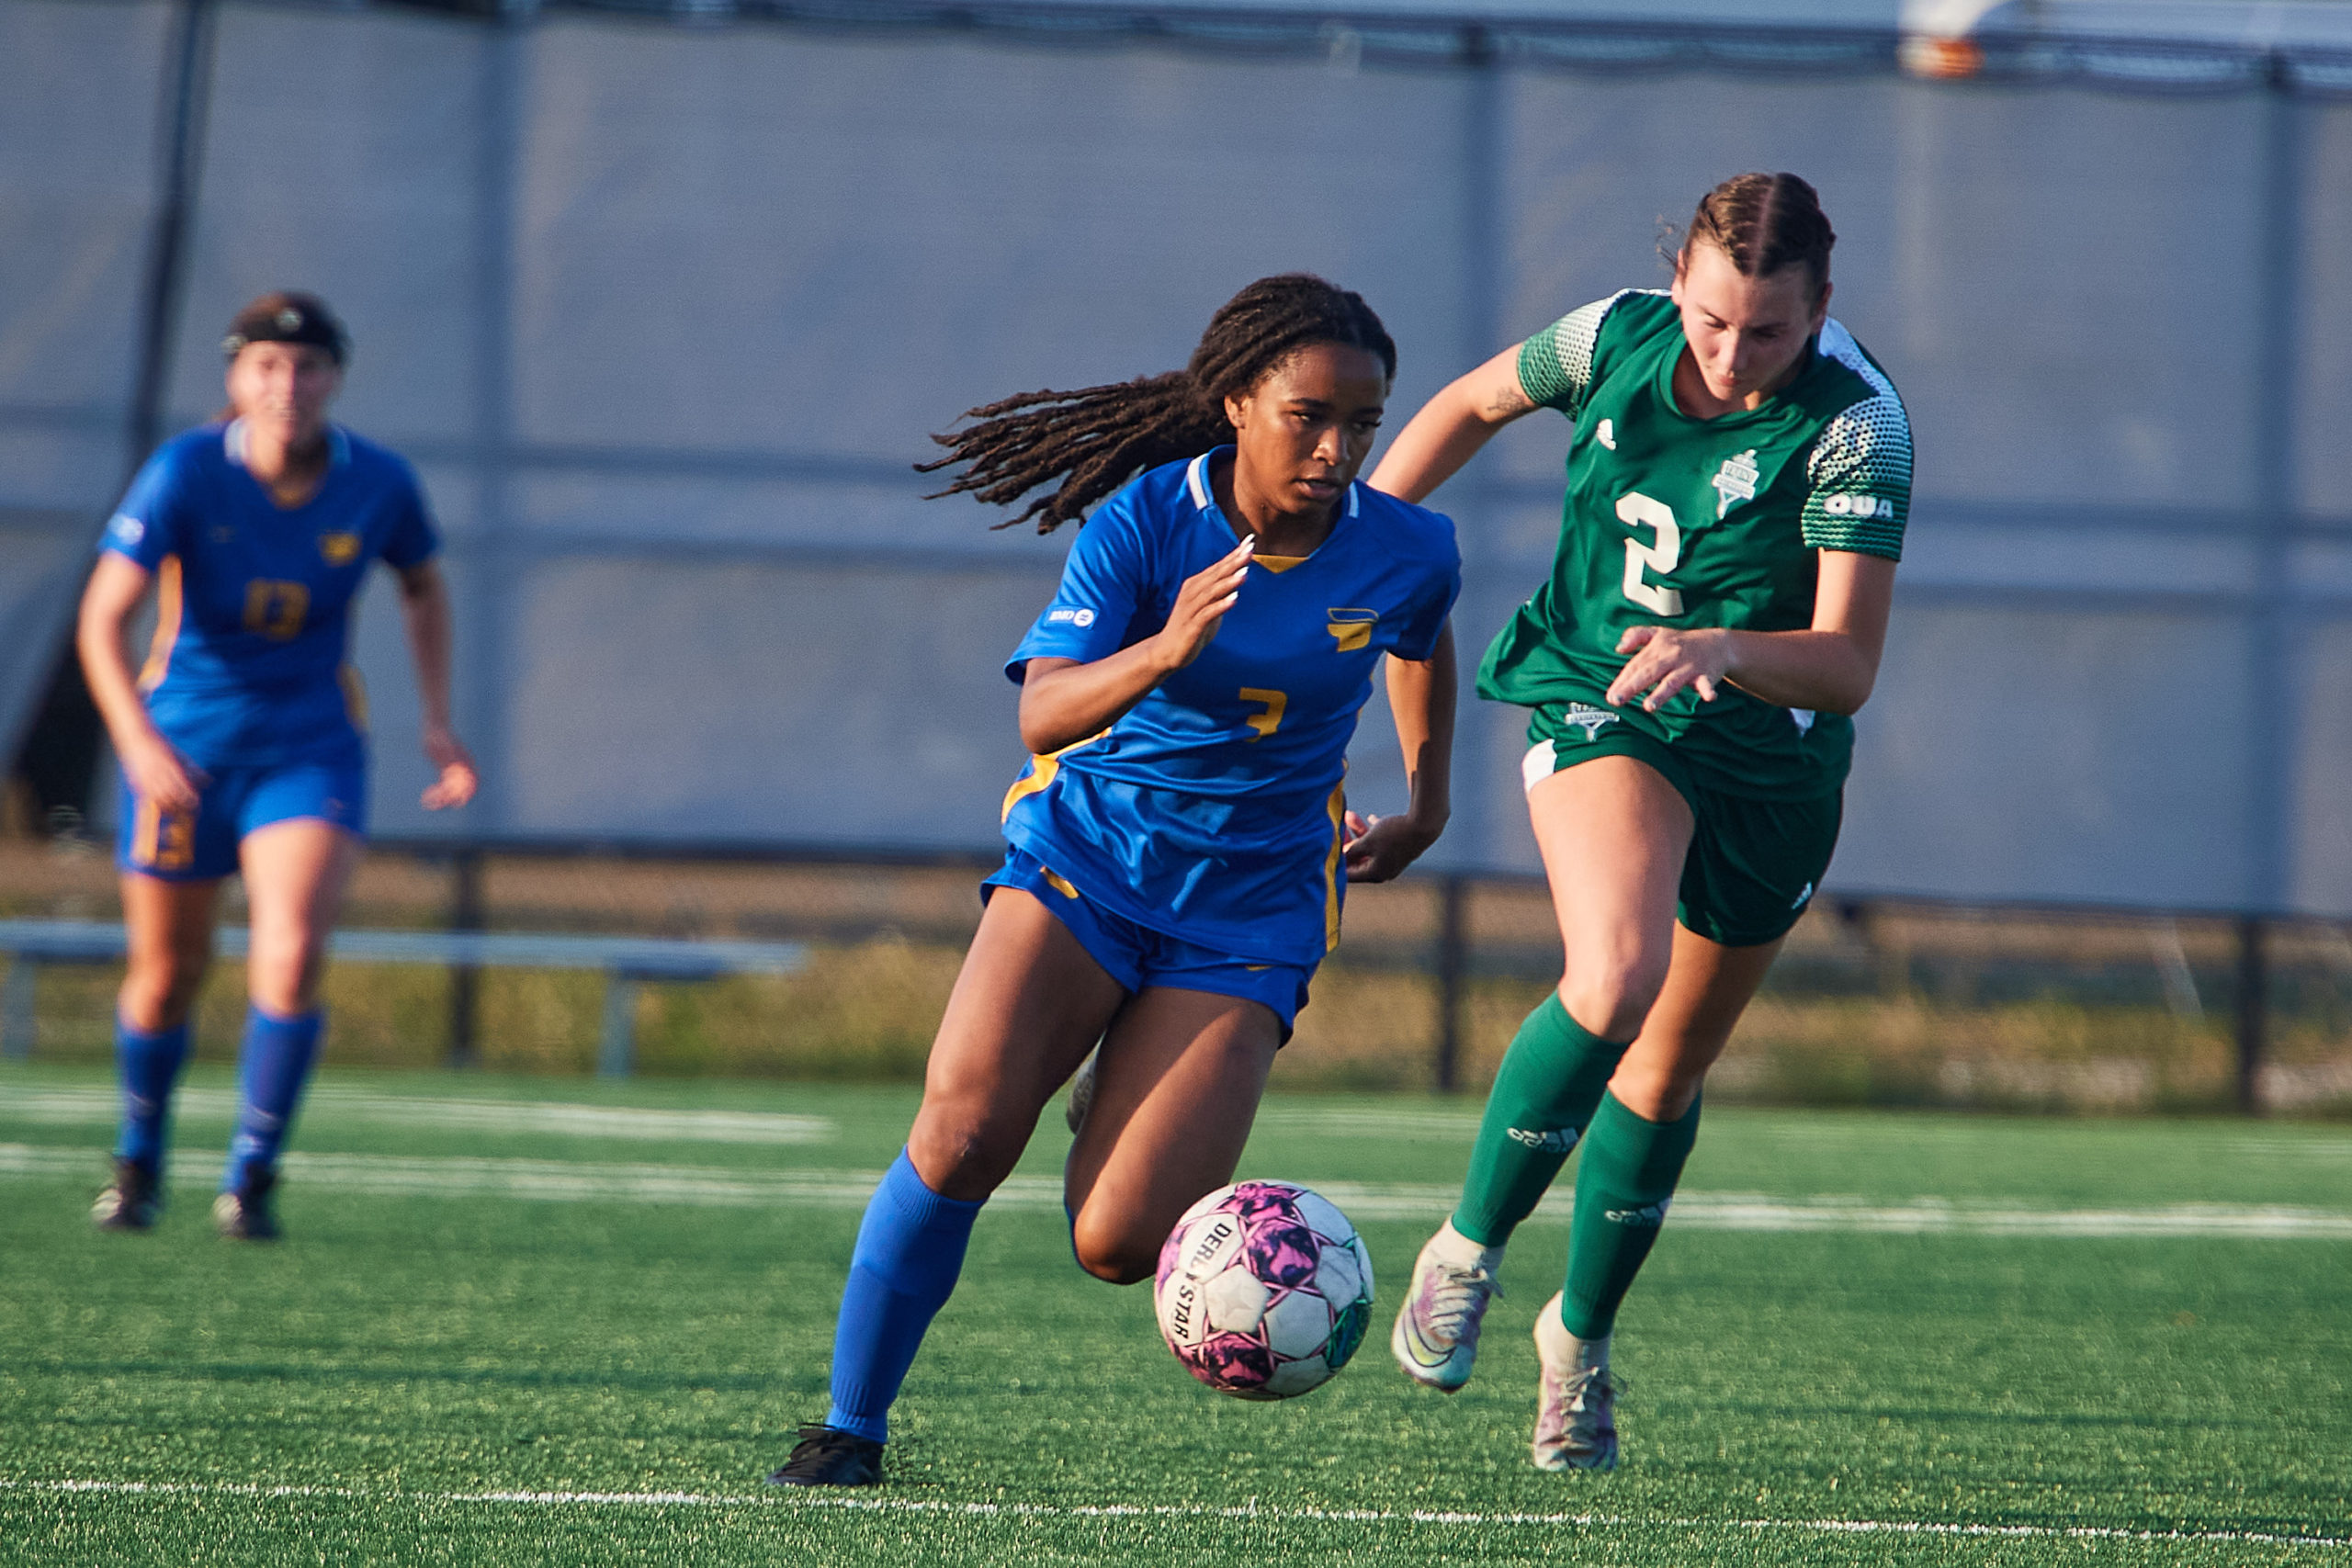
(275, 609)
(1634, 509)
(1272, 703)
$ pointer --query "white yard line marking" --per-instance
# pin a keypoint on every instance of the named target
(69, 1106)
(1187, 1511)
(702, 1186)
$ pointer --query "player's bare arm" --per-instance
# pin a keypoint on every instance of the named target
(424, 610)
(1830, 667)
(1452, 427)
(1064, 701)
(157, 771)
(1422, 703)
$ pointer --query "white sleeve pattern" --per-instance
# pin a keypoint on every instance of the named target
(1555, 365)
(1859, 470)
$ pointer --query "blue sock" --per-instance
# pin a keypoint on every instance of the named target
(908, 1252)
(271, 1070)
(149, 1063)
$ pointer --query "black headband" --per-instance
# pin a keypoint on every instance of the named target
(289, 318)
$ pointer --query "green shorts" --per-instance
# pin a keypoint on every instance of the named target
(1754, 865)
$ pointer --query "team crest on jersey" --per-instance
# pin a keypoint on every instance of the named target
(1588, 718)
(1736, 481)
(1351, 629)
(340, 549)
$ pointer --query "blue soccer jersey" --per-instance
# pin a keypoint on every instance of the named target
(1212, 810)
(252, 618)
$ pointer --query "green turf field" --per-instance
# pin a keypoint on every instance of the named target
(1865, 1338)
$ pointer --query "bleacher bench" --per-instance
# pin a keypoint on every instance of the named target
(627, 962)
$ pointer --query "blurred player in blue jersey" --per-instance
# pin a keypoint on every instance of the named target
(241, 743)
(1178, 846)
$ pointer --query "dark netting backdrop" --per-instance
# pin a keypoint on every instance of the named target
(663, 308)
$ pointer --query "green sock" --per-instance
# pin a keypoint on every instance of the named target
(1629, 1172)
(1552, 1077)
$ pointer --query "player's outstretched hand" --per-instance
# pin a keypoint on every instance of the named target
(458, 778)
(161, 776)
(1380, 847)
(1202, 603)
(1665, 660)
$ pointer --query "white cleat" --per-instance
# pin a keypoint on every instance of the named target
(1436, 1336)
(1575, 1405)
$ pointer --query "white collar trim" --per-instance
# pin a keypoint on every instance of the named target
(1196, 479)
(232, 445)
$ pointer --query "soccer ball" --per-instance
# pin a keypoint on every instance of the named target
(1264, 1290)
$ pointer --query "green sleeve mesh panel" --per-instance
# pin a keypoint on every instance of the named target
(1555, 365)
(1861, 467)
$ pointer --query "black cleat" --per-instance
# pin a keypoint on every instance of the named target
(131, 1201)
(827, 1456)
(244, 1215)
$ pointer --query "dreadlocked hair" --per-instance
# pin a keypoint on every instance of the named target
(1096, 439)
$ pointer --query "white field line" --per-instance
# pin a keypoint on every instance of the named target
(1185, 1511)
(77, 1106)
(699, 1186)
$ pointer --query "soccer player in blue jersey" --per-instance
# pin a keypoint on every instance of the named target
(241, 743)
(1178, 846)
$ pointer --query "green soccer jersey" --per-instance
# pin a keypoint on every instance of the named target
(1682, 522)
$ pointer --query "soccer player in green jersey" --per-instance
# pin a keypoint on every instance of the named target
(1739, 472)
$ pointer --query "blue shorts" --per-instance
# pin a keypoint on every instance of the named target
(1137, 956)
(201, 845)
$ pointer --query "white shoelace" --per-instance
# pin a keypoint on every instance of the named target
(1457, 1301)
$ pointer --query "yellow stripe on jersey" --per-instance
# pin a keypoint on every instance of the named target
(168, 623)
(1059, 884)
(355, 695)
(1338, 807)
(1041, 775)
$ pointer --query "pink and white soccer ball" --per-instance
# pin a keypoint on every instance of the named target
(1264, 1290)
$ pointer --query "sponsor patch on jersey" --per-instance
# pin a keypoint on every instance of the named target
(1586, 717)
(339, 549)
(1351, 629)
(1865, 507)
(1606, 433)
(125, 529)
(1079, 618)
(1736, 481)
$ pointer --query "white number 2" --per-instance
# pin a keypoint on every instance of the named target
(1635, 508)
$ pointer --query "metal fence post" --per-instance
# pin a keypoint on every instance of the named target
(1453, 965)
(2254, 981)
(465, 979)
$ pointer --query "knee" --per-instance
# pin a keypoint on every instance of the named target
(1657, 1091)
(1611, 1000)
(282, 974)
(961, 1153)
(1111, 1253)
(157, 993)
